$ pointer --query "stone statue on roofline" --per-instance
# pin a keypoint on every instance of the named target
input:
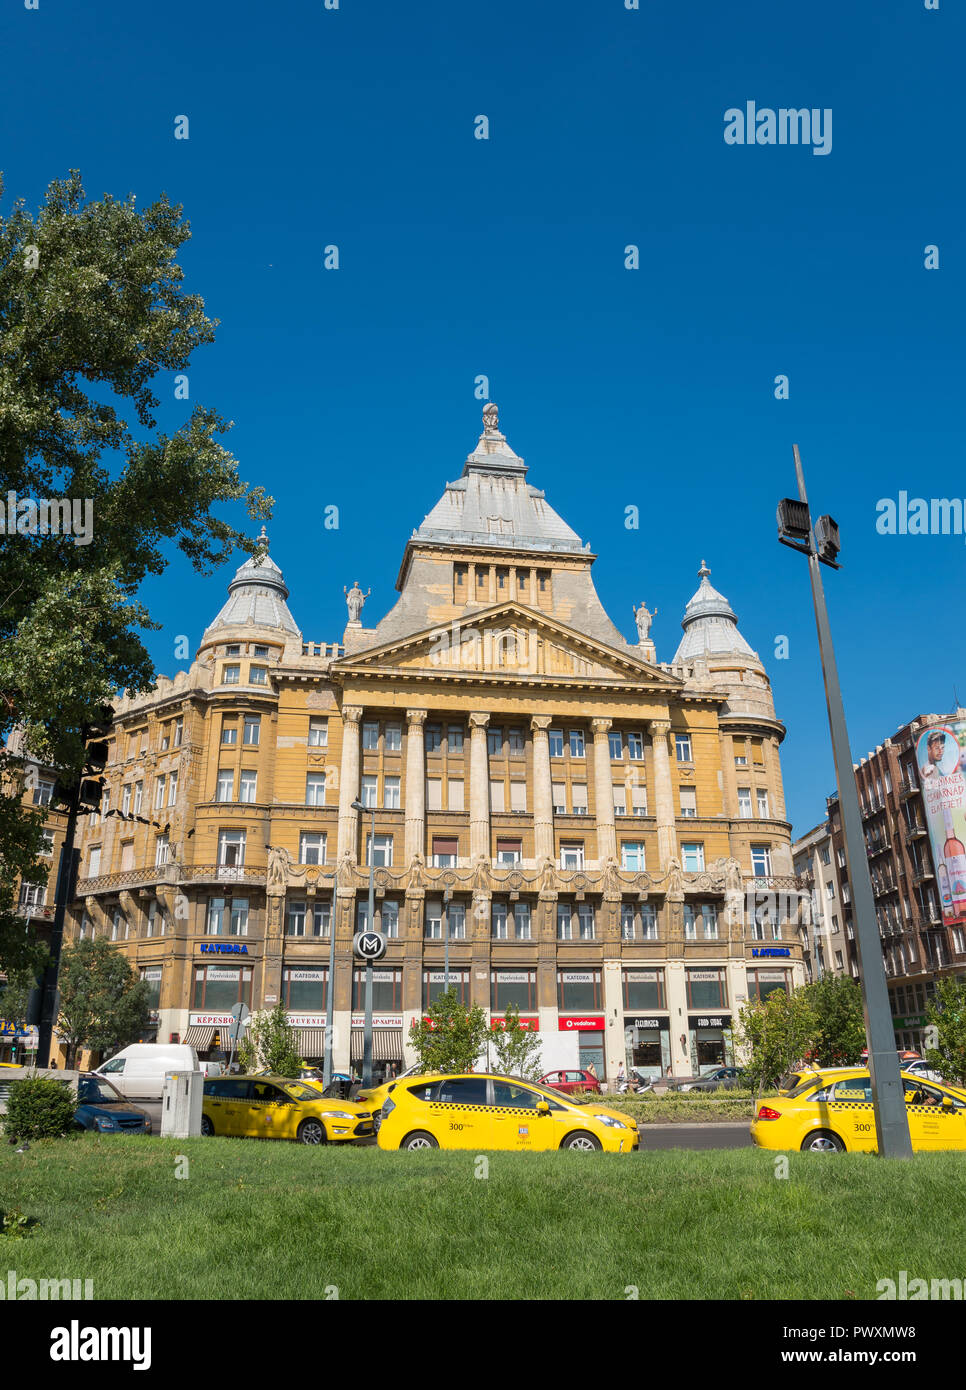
(355, 599)
(644, 617)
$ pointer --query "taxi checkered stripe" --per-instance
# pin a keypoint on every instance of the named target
(485, 1109)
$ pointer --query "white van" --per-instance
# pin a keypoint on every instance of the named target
(138, 1071)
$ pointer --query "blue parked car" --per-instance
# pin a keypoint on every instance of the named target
(101, 1107)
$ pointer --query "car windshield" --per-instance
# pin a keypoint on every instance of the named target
(96, 1092)
(300, 1091)
(802, 1085)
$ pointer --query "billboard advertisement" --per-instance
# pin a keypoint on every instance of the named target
(941, 760)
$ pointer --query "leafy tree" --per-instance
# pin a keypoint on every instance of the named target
(836, 1002)
(775, 1034)
(517, 1049)
(92, 309)
(102, 1004)
(20, 862)
(39, 1107)
(269, 1044)
(453, 1037)
(947, 1014)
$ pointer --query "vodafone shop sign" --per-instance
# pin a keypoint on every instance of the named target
(589, 1023)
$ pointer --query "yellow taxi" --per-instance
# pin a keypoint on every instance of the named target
(830, 1111)
(477, 1110)
(276, 1107)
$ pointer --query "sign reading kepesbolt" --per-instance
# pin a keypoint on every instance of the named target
(368, 945)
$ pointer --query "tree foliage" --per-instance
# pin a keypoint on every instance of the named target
(92, 310)
(517, 1049)
(839, 1035)
(775, 1034)
(39, 1107)
(102, 1005)
(947, 1014)
(453, 1037)
(269, 1044)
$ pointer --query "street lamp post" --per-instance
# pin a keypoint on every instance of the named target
(330, 987)
(795, 529)
(371, 924)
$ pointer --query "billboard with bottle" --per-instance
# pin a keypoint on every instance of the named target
(941, 760)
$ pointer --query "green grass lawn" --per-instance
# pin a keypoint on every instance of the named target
(262, 1220)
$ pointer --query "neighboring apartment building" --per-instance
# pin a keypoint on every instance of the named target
(823, 940)
(917, 944)
(35, 901)
(584, 821)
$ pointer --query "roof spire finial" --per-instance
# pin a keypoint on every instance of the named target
(703, 572)
(491, 418)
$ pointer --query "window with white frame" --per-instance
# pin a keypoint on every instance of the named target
(709, 921)
(311, 847)
(648, 922)
(226, 785)
(138, 798)
(390, 793)
(586, 921)
(231, 675)
(369, 790)
(615, 744)
(162, 849)
(638, 799)
(94, 861)
(682, 747)
(370, 735)
(315, 789)
(159, 790)
(762, 803)
(690, 925)
(627, 921)
(248, 785)
(555, 740)
(572, 856)
(252, 730)
(231, 848)
(295, 918)
(761, 861)
(392, 738)
(635, 747)
(521, 921)
(689, 802)
(499, 924)
(632, 856)
(172, 788)
(576, 739)
(692, 858)
(559, 794)
(126, 799)
(578, 791)
(379, 852)
(744, 802)
(229, 732)
(318, 733)
(565, 926)
(518, 796)
(258, 675)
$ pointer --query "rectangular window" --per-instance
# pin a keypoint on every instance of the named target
(762, 803)
(215, 923)
(258, 675)
(559, 795)
(138, 797)
(627, 921)
(579, 990)
(709, 921)
(565, 928)
(639, 799)
(555, 739)
(159, 787)
(389, 918)
(434, 793)
(318, 733)
(689, 802)
(518, 796)
(178, 731)
(226, 785)
(620, 801)
(229, 732)
(690, 927)
(521, 921)
(454, 793)
(248, 786)
(125, 800)
(761, 861)
(509, 851)
(516, 741)
(370, 735)
(433, 738)
(496, 796)
(682, 747)
(94, 861)
(692, 858)
(744, 801)
(162, 848)
(513, 989)
(379, 853)
(315, 789)
(238, 918)
(47, 843)
(578, 791)
(632, 856)
(253, 728)
(572, 856)
(172, 788)
(585, 921)
(231, 848)
(494, 741)
(43, 792)
(390, 793)
(643, 989)
(445, 851)
(231, 675)
(706, 989)
(311, 847)
(499, 928)
(219, 988)
(259, 651)
(648, 922)
(454, 738)
(392, 738)
(295, 919)
(635, 747)
(576, 737)
(369, 790)
(615, 743)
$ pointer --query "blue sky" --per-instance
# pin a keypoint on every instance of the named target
(505, 257)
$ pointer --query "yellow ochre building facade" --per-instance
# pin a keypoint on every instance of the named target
(603, 835)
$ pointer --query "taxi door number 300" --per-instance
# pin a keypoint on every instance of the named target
(454, 1125)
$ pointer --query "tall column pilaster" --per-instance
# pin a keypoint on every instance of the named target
(542, 789)
(663, 791)
(349, 780)
(479, 788)
(415, 784)
(604, 791)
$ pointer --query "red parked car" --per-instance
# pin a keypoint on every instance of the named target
(568, 1081)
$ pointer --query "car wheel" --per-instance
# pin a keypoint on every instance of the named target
(311, 1132)
(419, 1139)
(581, 1140)
(207, 1128)
(822, 1141)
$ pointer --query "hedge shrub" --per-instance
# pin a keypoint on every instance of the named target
(38, 1107)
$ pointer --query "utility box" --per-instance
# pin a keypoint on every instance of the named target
(181, 1100)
